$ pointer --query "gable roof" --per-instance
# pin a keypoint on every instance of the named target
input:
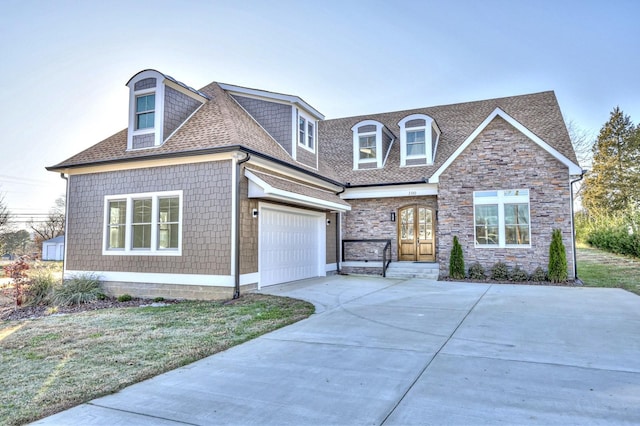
(221, 123)
(539, 113)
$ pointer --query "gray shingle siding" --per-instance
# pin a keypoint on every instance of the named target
(177, 108)
(147, 83)
(273, 117)
(206, 235)
(143, 141)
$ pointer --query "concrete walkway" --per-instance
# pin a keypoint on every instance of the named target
(393, 352)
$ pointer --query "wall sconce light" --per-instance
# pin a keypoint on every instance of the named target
(328, 222)
(254, 213)
(393, 216)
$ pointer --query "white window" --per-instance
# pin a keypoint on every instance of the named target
(419, 137)
(145, 111)
(306, 132)
(501, 218)
(371, 144)
(144, 224)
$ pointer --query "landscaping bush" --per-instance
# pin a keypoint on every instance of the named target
(40, 288)
(539, 275)
(456, 261)
(124, 297)
(499, 272)
(477, 272)
(518, 274)
(79, 289)
(613, 232)
(557, 258)
(17, 271)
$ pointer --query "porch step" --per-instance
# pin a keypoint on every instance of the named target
(428, 271)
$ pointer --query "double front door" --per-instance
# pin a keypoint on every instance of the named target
(416, 236)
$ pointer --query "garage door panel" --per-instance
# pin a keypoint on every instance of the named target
(289, 246)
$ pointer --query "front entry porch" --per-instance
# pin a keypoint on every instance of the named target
(406, 270)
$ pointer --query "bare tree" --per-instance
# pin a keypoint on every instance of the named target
(4, 213)
(52, 226)
(582, 141)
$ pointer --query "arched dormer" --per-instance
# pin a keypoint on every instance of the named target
(419, 135)
(371, 144)
(158, 106)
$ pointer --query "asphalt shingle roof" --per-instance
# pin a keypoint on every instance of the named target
(221, 122)
(538, 112)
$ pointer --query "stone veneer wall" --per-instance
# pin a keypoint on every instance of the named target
(206, 235)
(503, 158)
(273, 117)
(177, 108)
(371, 219)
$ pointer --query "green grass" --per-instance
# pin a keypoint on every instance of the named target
(597, 268)
(56, 362)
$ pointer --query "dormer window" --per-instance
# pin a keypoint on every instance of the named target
(419, 136)
(306, 132)
(371, 144)
(158, 106)
(145, 111)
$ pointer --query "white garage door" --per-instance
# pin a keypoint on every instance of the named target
(291, 245)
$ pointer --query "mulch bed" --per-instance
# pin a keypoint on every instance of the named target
(9, 312)
(488, 281)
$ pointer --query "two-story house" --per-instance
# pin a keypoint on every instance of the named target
(210, 191)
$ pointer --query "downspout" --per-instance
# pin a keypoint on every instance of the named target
(66, 222)
(573, 229)
(236, 292)
(338, 224)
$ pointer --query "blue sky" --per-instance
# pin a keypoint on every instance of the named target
(64, 64)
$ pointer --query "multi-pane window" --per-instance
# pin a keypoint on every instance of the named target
(310, 134)
(306, 132)
(141, 224)
(415, 143)
(501, 218)
(145, 111)
(168, 222)
(116, 224)
(367, 147)
(144, 223)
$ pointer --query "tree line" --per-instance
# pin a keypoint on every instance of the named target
(610, 194)
(22, 241)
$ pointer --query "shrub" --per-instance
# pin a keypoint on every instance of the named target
(477, 272)
(518, 274)
(40, 288)
(124, 297)
(17, 271)
(456, 261)
(499, 272)
(539, 275)
(557, 258)
(158, 299)
(79, 289)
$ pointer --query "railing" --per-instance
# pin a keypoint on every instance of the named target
(364, 254)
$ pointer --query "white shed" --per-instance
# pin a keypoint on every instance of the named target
(53, 249)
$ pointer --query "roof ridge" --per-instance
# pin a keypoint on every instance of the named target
(502, 98)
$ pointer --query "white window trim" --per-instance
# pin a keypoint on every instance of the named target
(500, 200)
(158, 127)
(154, 250)
(305, 143)
(356, 144)
(430, 145)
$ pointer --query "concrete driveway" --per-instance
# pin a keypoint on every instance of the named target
(397, 352)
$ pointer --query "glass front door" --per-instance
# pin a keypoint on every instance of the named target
(416, 241)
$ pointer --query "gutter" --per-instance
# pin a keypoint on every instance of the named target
(206, 151)
(236, 292)
(573, 229)
(338, 225)
(66, 222)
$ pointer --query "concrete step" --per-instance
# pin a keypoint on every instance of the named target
(413, 270)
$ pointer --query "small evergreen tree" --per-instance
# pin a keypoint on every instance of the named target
(557, 258)
(456, 261)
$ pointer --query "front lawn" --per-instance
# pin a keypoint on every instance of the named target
(597, 268)
(56, 362)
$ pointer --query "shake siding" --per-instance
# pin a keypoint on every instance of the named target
(503, 158)
(275, 118)
(206, 234)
